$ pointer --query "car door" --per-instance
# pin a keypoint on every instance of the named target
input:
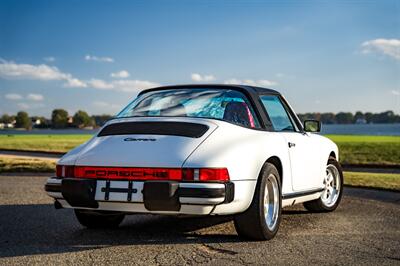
(302, 149)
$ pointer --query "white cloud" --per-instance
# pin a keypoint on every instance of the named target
(13, 96)
(284, 76)
(12, 70)
(389, 47)
(100, 84)
(394, 92)
(259, 83)
(99, 59)
(26, 106)
(74, 83)
(23, 106)
(120, 74)
(35, 97)
(202, 78)
(125, 85)
(106, 105)
(133, 85)
(49, 59)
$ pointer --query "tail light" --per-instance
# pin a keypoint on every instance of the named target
(65, 171)
(205, 174)
(135, 173)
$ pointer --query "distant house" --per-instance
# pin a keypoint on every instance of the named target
(36, 121)
(7, 125)
(70, 120)
(361, 121)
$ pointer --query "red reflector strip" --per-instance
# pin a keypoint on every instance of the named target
(137, 173)
(128, 173)
(59, 170)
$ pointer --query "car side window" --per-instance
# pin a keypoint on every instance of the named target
(277, 113)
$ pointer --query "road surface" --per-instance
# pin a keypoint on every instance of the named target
(365, 229)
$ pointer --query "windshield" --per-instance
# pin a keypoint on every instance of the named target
(224, 104)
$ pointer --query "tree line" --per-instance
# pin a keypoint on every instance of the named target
(60, 119)
(350, 118)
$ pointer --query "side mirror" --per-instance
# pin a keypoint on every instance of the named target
(312, 126)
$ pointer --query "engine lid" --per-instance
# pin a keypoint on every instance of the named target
(144, 142)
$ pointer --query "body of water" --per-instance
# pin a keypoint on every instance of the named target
(356, 129)
(362, 129)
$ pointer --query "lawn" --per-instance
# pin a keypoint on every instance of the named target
(372, 180)
(360, 150)
(363, 150)
(20, 165)
(52, 143)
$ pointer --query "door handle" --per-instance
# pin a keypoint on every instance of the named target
(291, 144)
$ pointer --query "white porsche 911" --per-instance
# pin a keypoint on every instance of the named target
(201, 150)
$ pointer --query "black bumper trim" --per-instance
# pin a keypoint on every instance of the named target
(156, 194)
(228, 192)
(52, 188)
(79, 192)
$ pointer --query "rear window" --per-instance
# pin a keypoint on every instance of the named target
(223, 104)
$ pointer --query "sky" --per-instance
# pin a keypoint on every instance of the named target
(323, 56)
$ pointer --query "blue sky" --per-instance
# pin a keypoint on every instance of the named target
(96, 55)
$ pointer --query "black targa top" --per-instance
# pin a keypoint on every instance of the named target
(251, 92)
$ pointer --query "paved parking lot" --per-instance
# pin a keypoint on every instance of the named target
(361, 231)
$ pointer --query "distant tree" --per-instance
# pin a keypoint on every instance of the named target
(82, 119)
(5, 118)
(59, 118)
(368, 117)
(384, 117)
(359, 115)
(100, 120)
(307, 116)
(349, 118)
(344, 118)
(328, 118)
(22, 120)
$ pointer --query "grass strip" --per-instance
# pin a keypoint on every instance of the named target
(365, 150)
(372, 180)
(46, 143)
(20, 165)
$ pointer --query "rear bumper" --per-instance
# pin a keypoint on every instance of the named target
(140, 196)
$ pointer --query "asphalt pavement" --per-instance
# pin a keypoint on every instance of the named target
(365, 229)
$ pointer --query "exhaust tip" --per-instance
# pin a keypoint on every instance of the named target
(57, 205)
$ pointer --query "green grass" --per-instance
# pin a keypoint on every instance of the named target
(19, 165)
(377, 150)
(52, 143)
(372, 180)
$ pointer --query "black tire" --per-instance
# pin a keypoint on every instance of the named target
(252, 224)
(92, 219)
(318, 205)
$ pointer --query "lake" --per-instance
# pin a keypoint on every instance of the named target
(356, 129)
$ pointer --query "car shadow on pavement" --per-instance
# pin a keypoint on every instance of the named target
(40, 229)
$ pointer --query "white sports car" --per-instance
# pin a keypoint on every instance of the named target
(201, 150)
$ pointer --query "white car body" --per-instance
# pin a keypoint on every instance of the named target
(300, 157)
